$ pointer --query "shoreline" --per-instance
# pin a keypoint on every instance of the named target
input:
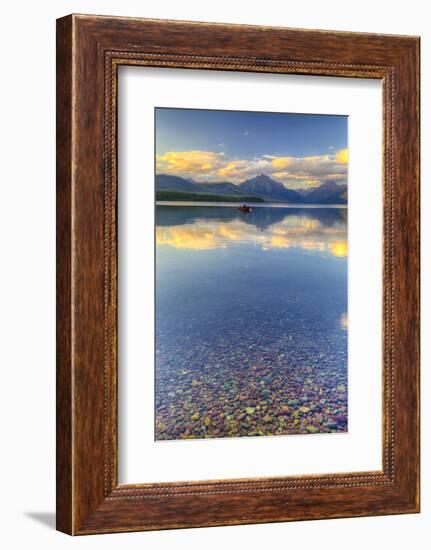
(251, 204)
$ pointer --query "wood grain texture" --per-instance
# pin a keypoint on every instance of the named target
(90, 49)
(64, 495)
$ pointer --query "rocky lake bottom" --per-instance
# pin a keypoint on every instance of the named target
(251, 322)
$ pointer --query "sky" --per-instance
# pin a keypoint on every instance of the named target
(299, 150)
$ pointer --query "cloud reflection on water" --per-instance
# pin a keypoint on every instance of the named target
(312, 231)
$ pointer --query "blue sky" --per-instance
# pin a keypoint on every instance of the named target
(296, 149)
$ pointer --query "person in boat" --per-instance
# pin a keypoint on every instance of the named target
(244, 208)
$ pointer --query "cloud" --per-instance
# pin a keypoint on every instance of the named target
(189, 162)
(311, 170)
(293, 172)
(342, 156)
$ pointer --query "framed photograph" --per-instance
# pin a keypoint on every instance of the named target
(237, 274)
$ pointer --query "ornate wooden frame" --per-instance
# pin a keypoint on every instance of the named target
(89, 51)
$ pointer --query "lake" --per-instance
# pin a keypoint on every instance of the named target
(251, 321)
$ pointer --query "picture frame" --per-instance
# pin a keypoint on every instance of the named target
(89, 51)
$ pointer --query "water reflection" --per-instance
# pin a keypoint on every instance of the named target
(251, 321)
(206, 228)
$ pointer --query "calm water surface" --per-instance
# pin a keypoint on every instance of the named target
(251, 321)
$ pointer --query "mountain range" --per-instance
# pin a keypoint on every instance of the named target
(261, 187)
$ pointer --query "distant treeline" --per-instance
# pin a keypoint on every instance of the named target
(200, 197)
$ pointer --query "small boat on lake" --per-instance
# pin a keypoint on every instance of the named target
(244, 208)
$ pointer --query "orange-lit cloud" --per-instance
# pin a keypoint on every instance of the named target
(342, 156)
(310, 171)
(293, 172)
(281, 163)
(189, 162)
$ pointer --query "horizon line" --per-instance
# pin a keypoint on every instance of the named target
(191, 180)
